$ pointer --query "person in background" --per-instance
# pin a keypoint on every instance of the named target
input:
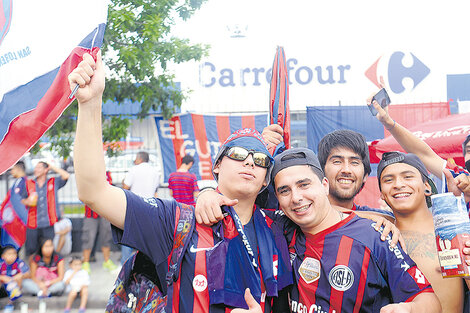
(77, 281)
(95, 227)
(12, 271)
(183, 184)
(142, 179)
(63, 236)
(15, 199)
(43, 206)
(47, 272)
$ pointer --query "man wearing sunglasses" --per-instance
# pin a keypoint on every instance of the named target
(221, 261)
(339, 262)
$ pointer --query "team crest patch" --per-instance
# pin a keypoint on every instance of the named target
(309, 270)
(341, 277)
(200, 283)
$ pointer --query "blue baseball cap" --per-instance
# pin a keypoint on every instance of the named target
(249, 139)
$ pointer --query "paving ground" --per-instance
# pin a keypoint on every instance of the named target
(101, 285)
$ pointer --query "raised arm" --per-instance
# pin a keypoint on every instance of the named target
(63, 173)
(93, 189)
(409, 142)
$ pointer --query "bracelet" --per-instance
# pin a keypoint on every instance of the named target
(389, 129)
(202, 191)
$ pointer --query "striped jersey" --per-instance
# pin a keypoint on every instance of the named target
(216, 268)
(347, 268)
(183, 185)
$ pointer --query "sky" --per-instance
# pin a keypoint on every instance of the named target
(322, 34)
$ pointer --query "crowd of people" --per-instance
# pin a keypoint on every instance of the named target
(318, 253)
(314, 250)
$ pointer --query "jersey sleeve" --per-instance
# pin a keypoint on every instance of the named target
(404, 278)
(148, 227)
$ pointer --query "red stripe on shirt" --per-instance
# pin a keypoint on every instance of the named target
(362, 281)
(344, 252)
(201, 296)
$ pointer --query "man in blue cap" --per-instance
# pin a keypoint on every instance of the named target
(221, 261)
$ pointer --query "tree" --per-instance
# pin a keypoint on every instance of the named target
(137, 48)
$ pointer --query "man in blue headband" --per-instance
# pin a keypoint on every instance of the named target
(219, 262)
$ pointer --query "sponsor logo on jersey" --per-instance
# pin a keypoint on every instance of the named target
(200, 283)
(309, 270)
(341, 277)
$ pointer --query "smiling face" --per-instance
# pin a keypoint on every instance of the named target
(240, 178)
(303, 197)
(345, 173)
(403, 188)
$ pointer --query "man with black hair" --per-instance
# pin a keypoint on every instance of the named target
(406, 188)
(344, 158)
(339, 262)
(183, 184)
(42, 202)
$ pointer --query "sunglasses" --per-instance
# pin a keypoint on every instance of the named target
(240, 154)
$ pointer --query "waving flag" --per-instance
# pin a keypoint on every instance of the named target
(13, 217)
(279, 98)
(40, 44)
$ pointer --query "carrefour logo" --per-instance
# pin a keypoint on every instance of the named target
(394, 71)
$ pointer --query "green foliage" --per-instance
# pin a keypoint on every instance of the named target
(137, 49)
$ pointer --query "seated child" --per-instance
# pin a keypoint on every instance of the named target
(77, 281)
(12, 270)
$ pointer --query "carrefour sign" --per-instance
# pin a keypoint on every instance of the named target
(302, 74)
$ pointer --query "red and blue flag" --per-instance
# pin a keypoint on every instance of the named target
(39, 46)
(279, 98)
(201, 136)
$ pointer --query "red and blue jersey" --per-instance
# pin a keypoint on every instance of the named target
(215, 268)
(19, 266)
(183, 185)
(347, 268)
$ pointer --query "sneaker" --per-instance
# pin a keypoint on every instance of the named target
(66, 310)
(8, 308)
(109, 265)
(86, 267)
(81, 310)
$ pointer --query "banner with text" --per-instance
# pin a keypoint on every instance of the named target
(200, 136)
